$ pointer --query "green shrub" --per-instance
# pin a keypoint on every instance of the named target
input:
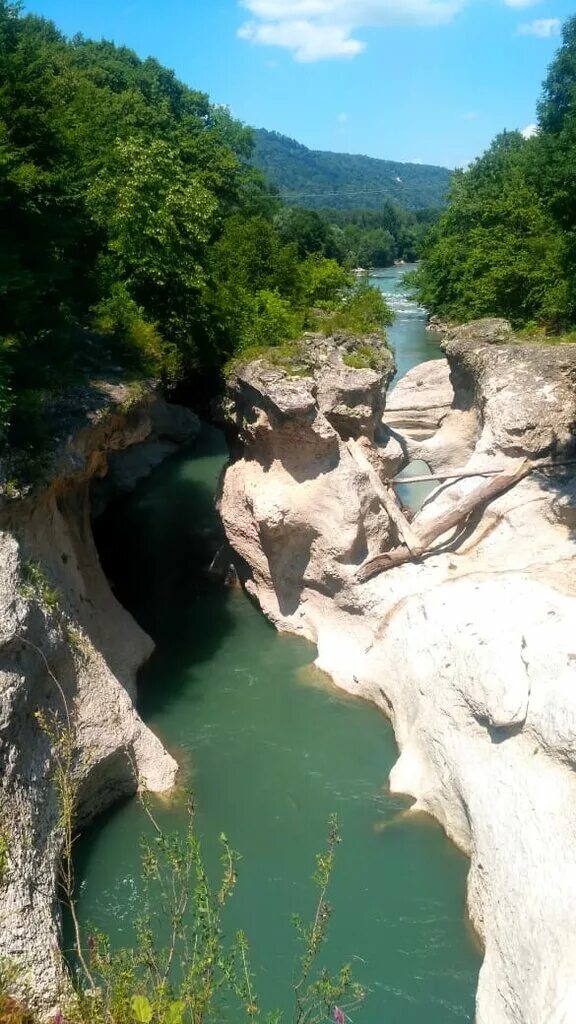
(323, 281)
(182, 968)
(36, 587)
(363, 311)
(272, 322)
(365, 357)
(12, 1012)
(139, 344)
(195, 971)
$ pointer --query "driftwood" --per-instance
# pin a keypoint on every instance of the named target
(462, 474)
(386, 496)
(449, 519)
(458, 474)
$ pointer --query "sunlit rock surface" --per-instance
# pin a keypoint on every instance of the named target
(69, 657)
(471, 651)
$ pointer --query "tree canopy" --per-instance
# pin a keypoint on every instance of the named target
(135, 234)
(506, 244)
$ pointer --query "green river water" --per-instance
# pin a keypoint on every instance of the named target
(271, 749)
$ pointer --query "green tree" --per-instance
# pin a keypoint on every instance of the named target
(309, 232)
(496, 249)
(554, 162)
(135, 235)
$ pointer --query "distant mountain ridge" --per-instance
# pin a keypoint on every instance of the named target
(342, 181)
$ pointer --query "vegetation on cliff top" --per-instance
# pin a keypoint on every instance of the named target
(362, 312)
(506, 246)
(136, 238)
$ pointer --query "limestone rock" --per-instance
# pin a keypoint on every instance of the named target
(164, 427)
(436, 325)
(349, 398)
(68, 650)
(352, 398)
(488, 331)
(452, 445)
(525, 394)
(420, 412)
(470, 651)
(421, 400)
(392, 451)
(296, 477)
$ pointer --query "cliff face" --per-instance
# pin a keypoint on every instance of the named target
(469, 650)
(68, 648)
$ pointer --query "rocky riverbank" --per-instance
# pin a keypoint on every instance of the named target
(469, 649)
(69, 650)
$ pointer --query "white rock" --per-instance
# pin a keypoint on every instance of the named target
(85, 651)
(471, 652)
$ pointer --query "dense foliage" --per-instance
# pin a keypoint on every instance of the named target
(366, 238)
(506, 245)
(376, 238)
(342, 181)
(135, 236)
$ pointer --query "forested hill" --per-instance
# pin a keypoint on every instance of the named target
(316, 179)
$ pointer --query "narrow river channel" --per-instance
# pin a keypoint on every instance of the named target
(271, 749)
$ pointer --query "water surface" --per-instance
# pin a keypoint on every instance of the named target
(271, 749)
(411, 342)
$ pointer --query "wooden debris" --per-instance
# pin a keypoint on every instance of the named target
(448, 520)
(386, 496)
(462, 474)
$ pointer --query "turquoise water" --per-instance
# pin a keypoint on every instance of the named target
(271, 749)
(411, 342)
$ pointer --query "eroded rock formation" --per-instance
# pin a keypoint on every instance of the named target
(68, 649)
(471, 651)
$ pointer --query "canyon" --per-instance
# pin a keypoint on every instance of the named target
(70, 653)
(468, 649)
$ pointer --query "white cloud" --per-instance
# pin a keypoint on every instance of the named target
(354, 12)
(529, 131)
(542, 27)
(320, 29)
(472, 115)
(308, 41)
(342, 118)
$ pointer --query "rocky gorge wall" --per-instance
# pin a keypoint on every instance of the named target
(68, 649)
(470, 649)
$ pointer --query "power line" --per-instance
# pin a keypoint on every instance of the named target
(342, 192)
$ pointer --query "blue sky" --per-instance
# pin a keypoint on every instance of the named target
(424, 80)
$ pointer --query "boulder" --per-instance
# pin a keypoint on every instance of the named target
(488, 331)
(420, 400)
(525, 394)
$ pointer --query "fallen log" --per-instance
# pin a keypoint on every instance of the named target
(462, 474)
(386, 495)
(449, 519)
(458, 474)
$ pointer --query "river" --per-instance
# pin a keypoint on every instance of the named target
(271, 749)
(411, 342)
